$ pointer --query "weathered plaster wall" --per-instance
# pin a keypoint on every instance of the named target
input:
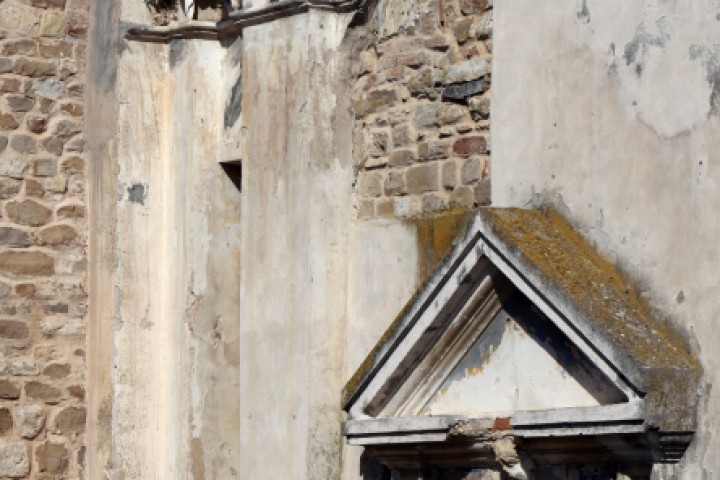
(607, 110)
(43, 238)
(296, 216)
(166, 258)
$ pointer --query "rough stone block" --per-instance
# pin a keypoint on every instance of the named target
(426, 115)
(467, 146)
(450, 113)
(6, 421)
(433, 150)
(73, 109)
(395, 184)
(36, 124)
(401, 157)
(5, 289)
(473, 7)
(8, 187)
(462, 197)
(59, 4)
(460, 91)
(8, 122)
(483, 28)
(374, 101)
(22, 143)
(467, 71)
(482, 192)
(33, 188)
(365, 209)
(50, 88)
(433, 202)
(34, 68)
(52, 145)
(462, 29)
(55, 184)
(6, 65)
(52, 458)
(73, 165)
(57, 371)
(20, 103)
(26, 263)
(43, 392)
(449, 175)
(13, 237)
(71, 211)
(58, 235)
(25, 289)
(70, 420)
(10, 85)
(402, 136)
(380, 144)
(18, 47)
(53, 24)
(12, 329)
(66, 129)
(23, 368)
(14, 459)
(3, 143)
(409, 59)
(28, 212)
(9, 390)
(422, 178)
(45, 167)
(371, 184)
(30, 420)
(438, 42)
(76, 391)
(385, 208)
(17, 17)
(472, 170)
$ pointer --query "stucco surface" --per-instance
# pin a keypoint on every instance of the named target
(166, 261)
(606, 111)
(297, 200)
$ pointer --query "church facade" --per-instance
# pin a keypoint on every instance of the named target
(438, 239)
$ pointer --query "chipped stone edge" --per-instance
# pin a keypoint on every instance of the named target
(236, 21)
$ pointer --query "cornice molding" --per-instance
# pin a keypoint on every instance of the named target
(236, 21)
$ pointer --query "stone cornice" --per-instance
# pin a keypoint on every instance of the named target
(236, 21)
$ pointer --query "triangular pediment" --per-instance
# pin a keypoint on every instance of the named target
(520, 362)
(523, 321)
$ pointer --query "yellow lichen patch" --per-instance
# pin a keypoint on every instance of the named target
(590, 282)
(437, 236)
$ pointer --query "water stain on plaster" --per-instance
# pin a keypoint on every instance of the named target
(233, 109)
(642, 41)
(710, 57)
(137, 193)
(178, 52)
(583, 15)
(198, 464)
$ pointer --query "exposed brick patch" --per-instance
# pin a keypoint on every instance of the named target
(422, 113)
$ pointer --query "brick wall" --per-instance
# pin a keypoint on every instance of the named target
(422, 109)
(42, 238)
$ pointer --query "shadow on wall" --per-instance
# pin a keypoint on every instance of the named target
(371, 469)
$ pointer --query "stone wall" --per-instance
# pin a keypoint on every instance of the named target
(42, 238)
(422, 109)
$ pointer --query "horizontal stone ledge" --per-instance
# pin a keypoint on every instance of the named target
(236, 21)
